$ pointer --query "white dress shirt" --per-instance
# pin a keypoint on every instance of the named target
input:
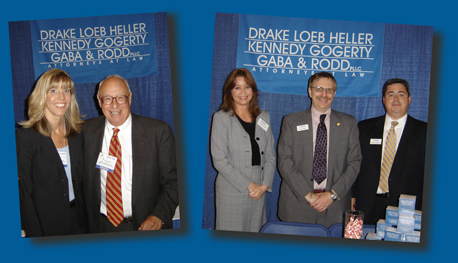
(125, 138)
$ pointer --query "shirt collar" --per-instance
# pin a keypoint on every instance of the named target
(401, 121)
(316, 114)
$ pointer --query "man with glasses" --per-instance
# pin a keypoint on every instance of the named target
(393, 148)
(318, 158)
(130, 179)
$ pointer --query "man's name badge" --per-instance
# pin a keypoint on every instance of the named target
(106, 162)
(263, 124)
(63, 157)
(302, 127)
(376, 141)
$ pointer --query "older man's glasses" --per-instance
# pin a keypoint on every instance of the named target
(120, 99)
(321, 89)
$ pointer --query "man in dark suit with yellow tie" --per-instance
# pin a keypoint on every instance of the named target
(130, 177)
(393, 149)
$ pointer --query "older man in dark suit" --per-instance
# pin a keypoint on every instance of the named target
(393, 148)
(318, 158)
(130, 180)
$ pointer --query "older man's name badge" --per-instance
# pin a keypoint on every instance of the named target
(302, 127)
(263, 124)
(376, 141)
(106, 162)
(63, 157)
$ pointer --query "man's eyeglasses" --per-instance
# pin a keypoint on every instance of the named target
(120, 99)
(321, 89)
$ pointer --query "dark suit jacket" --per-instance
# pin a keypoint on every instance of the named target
(407, 171)
(295, 164)
(43, 184)
(154, 175)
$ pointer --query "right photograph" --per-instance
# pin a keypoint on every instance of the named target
(318, 127)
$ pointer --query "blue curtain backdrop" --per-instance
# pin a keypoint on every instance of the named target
(406, 54)
(152, 95)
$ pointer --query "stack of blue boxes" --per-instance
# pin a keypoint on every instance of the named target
(402, 223)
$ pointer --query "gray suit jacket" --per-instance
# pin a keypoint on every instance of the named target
(295, 164)
(231, 151)
(154, 175)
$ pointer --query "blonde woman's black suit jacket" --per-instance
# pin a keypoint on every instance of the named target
(43, 184)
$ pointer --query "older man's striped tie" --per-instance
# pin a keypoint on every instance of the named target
(115, 211)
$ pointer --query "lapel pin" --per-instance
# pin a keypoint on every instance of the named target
(338, 124)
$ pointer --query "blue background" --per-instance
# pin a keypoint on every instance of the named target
(191, 25)
(93, 73)
(294, 83)
(407, 53)
(152, 94)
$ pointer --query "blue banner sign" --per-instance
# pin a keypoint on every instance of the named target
(283, 52)
(91, 48)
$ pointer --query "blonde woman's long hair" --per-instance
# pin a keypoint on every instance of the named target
(53, 78)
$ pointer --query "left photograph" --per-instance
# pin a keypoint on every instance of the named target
(93, 111)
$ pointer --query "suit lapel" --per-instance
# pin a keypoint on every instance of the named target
(49, 144)
(406, 140)
(235, 123)
(335, 135)
(306, 138)
(138, 158)
(96, 140)
(259, 133)
(377, 133)
(75, 159)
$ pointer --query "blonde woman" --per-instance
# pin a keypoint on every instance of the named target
(50, 159)
(242, 150)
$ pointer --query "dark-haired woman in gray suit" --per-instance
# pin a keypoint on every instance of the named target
(242, 150)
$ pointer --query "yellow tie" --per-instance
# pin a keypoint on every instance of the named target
(388, 157)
